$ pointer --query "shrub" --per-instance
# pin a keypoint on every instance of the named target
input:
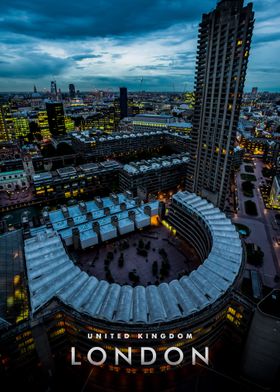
(267, 172)
(155, 268)
(142, 252)
(121, 260)
(110, 256)
(247, 188)
(249, 169)
(244, 228)
(133, 277)
(248, 177)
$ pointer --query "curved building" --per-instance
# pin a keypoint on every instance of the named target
(194, 306)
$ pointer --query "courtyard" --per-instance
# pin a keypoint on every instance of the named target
(150, 256)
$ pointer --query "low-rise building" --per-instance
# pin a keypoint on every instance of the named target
(13, 180)
(155, 175)
(71, 181)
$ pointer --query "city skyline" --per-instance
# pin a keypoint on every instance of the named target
(152, 50)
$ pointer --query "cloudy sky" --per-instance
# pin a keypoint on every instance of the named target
(147, 44)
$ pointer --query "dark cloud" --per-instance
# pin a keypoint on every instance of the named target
(149, 83)
(80, 57)
(32, 67)
(64, 19)
(29, 24)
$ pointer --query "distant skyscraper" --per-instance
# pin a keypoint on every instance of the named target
(254, 91)
(53, 88)
(35, 89)
(72, 91)
(56, 118)
(223, 49)
(123, 102)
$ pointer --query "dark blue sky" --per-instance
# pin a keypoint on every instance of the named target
(108, 43)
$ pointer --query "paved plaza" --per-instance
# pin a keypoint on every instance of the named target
(181, 257)
(262, 232)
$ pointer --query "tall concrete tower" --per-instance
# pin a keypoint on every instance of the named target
(223, 50)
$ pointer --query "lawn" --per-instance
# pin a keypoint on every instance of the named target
(249, 168)
(251, 208)
(247, 188)
(248, 177)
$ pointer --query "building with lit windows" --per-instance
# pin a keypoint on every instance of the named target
(13, 124)
(3, 131)
(122, 144)
(56, 118)
(223, 51)
(155, 175)
(43, 124)
(274, 198)
(69, 182)
(154, 122)
(21, 127)
(67, 304)
(69, 124)
(238, 155)
(272, 154)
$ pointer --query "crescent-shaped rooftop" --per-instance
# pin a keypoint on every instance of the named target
(52, 274)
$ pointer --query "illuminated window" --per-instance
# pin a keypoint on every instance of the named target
(231, 310)
(229, 317)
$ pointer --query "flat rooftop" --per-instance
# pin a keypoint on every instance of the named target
(146, 165)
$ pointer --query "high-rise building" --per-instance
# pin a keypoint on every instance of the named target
(123, 102)
(43, 124)
(34, 89)
(223, 50)
(53, 88)
(3, 131)
(13, 124)
(72, 91)
(254, 91)
(56, 118)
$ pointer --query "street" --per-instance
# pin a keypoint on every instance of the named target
(262, 232)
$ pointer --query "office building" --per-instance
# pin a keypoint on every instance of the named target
(72, 90)
(123, 102)
(53, 88)
(56, 119)
(254, 92)
(43, 124)
(274, 198)
(223, 50)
